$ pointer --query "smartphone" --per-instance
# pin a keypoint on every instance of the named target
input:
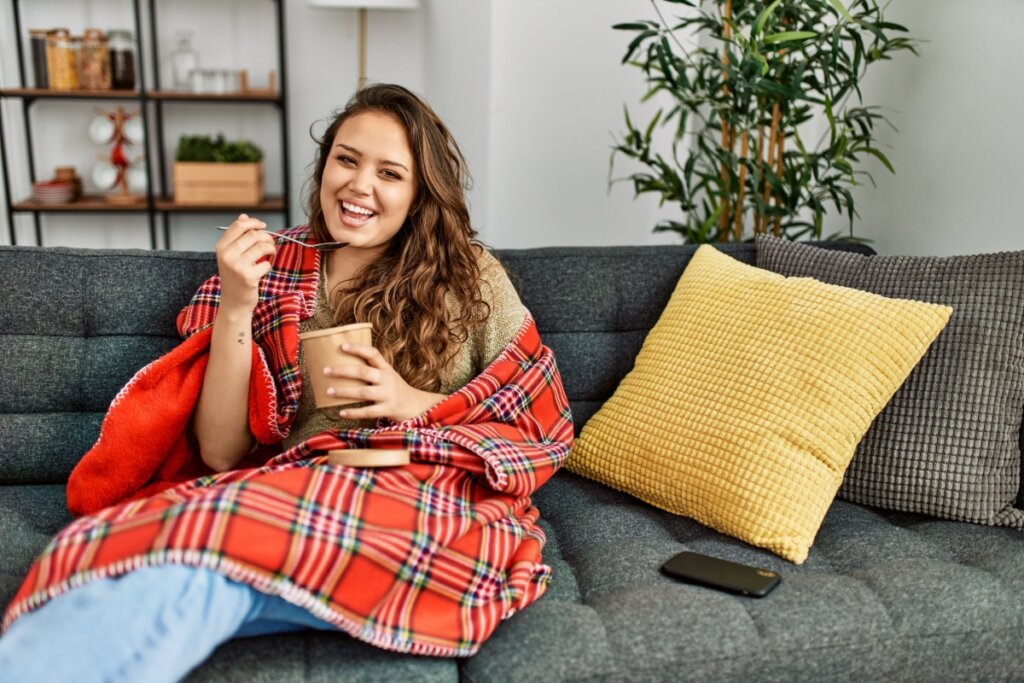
(722, 574)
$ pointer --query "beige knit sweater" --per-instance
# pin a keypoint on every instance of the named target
(482, 347)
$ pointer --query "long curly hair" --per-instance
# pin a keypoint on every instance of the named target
(433, 256)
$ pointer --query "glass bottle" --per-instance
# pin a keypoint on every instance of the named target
(61, 60)
(37, 38)
(122, 60)
(94, 61)
(184, 60)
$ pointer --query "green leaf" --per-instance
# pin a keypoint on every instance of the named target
(788, 36)
(763, 17)
(881, 157)
(630, 27)
(842, 10)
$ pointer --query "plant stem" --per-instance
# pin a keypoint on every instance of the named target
(728, 134)
(780, 169)
(773, 141)
(737, 230)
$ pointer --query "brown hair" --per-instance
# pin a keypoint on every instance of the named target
(403, 292)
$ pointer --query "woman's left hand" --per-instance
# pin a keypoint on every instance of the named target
(388, 393)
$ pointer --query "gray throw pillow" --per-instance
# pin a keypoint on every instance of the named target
(948, 443)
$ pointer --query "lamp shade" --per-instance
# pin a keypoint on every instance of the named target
(366, 4)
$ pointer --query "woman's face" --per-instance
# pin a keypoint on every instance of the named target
(369, 181)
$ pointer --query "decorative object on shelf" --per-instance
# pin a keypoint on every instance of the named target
(184, 61)
(362, 6)
(736, 162)
(122, 59)
(214, 172)
(246, 89)
(37, 41)
(112, 127)
(94, 61)
(64, 188)
(62, 60)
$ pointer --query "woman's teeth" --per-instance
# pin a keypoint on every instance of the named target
(357, 210)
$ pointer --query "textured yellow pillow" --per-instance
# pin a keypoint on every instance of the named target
(749, 396)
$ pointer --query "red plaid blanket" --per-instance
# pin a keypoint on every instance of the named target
(426, 558)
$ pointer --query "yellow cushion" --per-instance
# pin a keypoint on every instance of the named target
(749, 396)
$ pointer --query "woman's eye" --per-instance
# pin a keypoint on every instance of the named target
(345, 159)
(392, 175)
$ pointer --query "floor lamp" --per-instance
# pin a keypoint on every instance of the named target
(363, 6)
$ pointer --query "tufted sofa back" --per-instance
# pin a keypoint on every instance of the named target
(76, 324)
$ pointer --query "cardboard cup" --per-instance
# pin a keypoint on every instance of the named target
(322, 348)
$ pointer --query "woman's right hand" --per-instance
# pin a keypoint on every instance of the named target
(244, 255)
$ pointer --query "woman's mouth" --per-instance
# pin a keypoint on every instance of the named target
(354, 215)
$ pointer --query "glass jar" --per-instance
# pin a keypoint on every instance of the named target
(184, 60)
(62, 60)
(94, 61)
(122, 60)
(37, 39)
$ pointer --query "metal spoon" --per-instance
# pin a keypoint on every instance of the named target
(321, 246)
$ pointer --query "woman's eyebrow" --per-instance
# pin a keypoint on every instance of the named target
(386, 162)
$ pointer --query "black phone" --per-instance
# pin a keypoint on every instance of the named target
(723, 574)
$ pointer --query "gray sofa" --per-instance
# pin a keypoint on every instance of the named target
(883, 596)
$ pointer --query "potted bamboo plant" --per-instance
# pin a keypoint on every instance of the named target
(761, 75)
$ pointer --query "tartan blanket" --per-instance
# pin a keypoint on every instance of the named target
(428, 558)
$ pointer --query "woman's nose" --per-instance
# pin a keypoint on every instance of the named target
(362, 182)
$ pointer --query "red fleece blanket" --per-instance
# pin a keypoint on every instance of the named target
(426, 558)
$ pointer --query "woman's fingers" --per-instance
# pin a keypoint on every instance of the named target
(358, 372)
(368, 353)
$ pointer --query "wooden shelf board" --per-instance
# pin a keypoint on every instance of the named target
(268, 204)
(249, 96)
(96, 203)
(84, 203)
(70, 94)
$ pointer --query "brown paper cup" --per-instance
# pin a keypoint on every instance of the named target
(322, 348)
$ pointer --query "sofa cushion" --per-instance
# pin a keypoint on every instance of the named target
(948, 444)
(749, 396)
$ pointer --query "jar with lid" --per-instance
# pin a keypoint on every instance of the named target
(122, 59)
(62, 60)
(94, 61)
(37, 39)
(184, 60)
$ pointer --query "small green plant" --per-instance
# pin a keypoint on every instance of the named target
(741, 100)
(205, 148)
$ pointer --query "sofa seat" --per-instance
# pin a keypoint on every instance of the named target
(883, 596)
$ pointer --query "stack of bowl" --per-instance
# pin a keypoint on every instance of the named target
(64, 188)
(53, 191)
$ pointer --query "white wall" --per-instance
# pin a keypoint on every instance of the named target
(533, 90)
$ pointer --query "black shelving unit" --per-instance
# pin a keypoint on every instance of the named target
(159, 203)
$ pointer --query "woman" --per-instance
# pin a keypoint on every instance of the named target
(387, 162)
(389, 180)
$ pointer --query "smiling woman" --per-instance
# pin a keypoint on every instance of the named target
(389, 181)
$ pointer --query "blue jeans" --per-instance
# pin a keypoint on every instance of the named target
(152, 624)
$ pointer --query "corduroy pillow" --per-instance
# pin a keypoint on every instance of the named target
(948, 444)
(748, 397)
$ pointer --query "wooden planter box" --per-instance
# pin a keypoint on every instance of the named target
(207, 184)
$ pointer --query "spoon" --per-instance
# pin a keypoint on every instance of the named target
(321, 246)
